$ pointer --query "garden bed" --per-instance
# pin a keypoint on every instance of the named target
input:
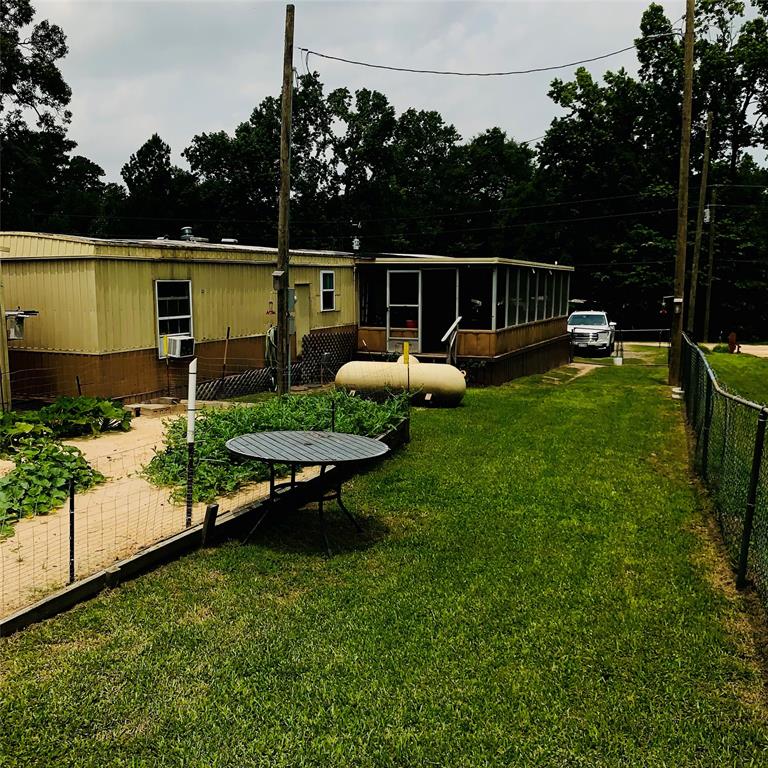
(128, 513)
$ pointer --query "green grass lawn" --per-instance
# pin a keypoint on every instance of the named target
(534, 590)
(745, 375)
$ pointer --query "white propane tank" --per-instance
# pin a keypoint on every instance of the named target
(439, 383)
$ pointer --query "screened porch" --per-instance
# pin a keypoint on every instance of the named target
(503, 304)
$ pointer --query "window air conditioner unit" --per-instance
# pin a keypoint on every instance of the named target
(181, 346)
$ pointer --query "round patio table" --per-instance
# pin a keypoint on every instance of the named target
(303, 449)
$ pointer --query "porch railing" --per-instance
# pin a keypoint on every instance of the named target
(450, 340)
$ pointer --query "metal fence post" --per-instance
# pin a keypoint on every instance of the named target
(757, 459)
(708, 387)
(71, 530)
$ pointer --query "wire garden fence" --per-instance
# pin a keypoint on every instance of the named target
(729, 435)
(134, 504)
(112, 521)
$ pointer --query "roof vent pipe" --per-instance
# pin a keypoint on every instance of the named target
(186, 233)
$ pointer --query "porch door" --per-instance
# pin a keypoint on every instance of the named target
(403, 309)
(439, 307)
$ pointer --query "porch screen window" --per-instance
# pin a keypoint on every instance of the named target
(564, 293)
(174, 307)
(533, 286)
(512, 291)
(475, 297)
(558, 293)
(373, 298)
(541, 295)
(501, 297)
(327, 291)
(551, 289)
(522, 296)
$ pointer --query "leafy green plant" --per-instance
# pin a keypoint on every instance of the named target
(40, 481)
(720, 348)
(75, 416)
(15, 427)
(215, 472)
(65, 417)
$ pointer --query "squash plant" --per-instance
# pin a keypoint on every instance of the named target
(65, 417)
(40, 481)
(16, 427)
(76, 416)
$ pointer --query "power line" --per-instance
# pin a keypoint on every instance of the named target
(309, 52)
(477, 211)
(345, 222)
(501, 227)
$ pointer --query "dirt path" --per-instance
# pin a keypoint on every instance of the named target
(582, 369)
(758, 350)
(112, 521)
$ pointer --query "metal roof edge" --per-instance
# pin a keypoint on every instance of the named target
(171, 245)
(423, 259)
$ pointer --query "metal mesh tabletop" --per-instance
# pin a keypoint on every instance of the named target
(306, 448)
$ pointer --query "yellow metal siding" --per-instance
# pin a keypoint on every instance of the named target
(222, 294)
(64, 292)
(31, 245)
(345, 312)
(235, 295)
(99, 297)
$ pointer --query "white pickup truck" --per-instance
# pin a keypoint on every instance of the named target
(592, 332)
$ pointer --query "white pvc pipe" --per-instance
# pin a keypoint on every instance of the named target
(191, 401)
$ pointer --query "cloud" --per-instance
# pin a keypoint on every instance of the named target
(181, 68)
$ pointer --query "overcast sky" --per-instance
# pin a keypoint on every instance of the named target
(181, 67)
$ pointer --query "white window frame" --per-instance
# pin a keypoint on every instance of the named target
(190, 316)
(332, 290)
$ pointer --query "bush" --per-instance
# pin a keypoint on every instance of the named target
(721, 348)
(215, 472)
(40, 481)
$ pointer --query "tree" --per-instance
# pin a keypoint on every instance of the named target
(238, 175)
(29, 75)
(42, 187)
(619, 142)
(32, 165)
(495, 176)
(159, 193)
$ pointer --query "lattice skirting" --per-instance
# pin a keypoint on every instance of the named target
(323, 353)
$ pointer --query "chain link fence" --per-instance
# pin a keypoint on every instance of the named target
(729, 436)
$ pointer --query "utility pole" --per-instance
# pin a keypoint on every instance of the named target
(682, 204)
(712, 214)
(699, 225)
(281, 277)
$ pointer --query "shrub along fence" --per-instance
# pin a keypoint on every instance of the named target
(729, 454)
